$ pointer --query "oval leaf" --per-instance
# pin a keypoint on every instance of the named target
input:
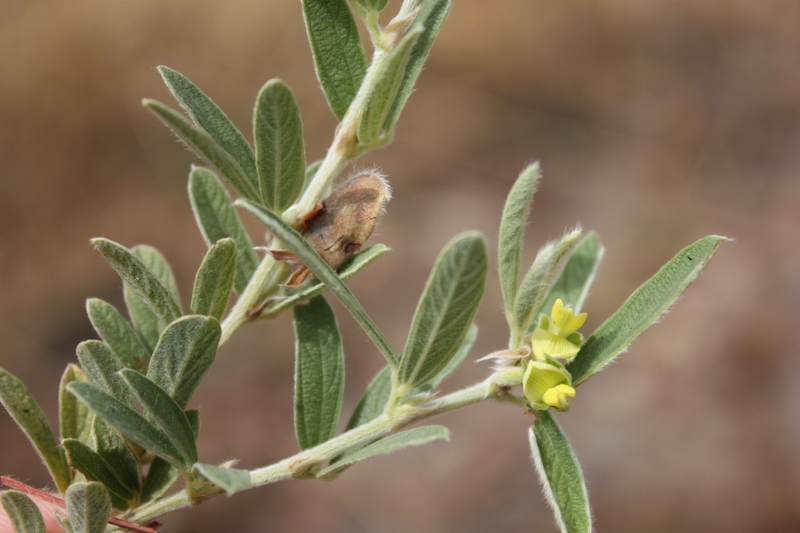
(643, 308)
(446, 309)
(217, 218)
(27, 414)
(229, 479)
(117, 453)
(280, 153)
(117, 333)
(211, 119)
(374, 399)
(206, 147)
(560, 475)
(74, 419)
(214, 280)
(25, 516)
(338, 54)
(95, 468)
(101, 367)
(88, 507)
(319, 373)
(310, 258)
(183, 355)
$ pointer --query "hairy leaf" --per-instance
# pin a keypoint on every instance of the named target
(572, 285)
(74, 419)
(24, 515)
(214, 280)
(117, 453)
(89, 463)
(229, 479)
(101, 367)
(88, 507)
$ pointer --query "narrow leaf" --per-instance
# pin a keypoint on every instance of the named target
(314, 288)
(167, 414)
(643, 308)
(458, 358)
(431, 17)
(101, 367)
(211, 119)
(572, 285)
(446, 309)
(88, 507)
(338, 54)
(309, 257)
(161, 475)
(512, 228)
(319, 373)
(117, 453)
(536, 282)
(206, 147)
(229, 479)
(184, 353)
(117, 333)
(24, 515)
(217, 219)
(280, 153)
(141, 279)
(384, 89)
(95, 468)
(404, 439)
(560, 475)
(128, 422)
(74, 419)
(214, 280)
(27, 414)
(374, 400)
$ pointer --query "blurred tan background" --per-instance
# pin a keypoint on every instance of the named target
(656, 123)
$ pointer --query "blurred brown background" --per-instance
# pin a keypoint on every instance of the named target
(656, 123)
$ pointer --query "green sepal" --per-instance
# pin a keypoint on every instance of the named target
(445, 310)
(24, 515)
(206, 147)
(28, 415)
(643, 308)
(208, 116)
(214, 280)
(129, 423)
(228, 479)
(310, 258)
(89, 463)
(117, 333)
(183, 355)
(74, 419)
(560, 475)
(88, 507)
(217, 219)
(319, 373)
(280, 152)
(101, 367)
(404, 439)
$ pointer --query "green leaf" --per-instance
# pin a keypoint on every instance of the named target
(280, 153)
(349, 268)
(311, 171)
(458, 358)
(374, 399)
(536, 283)
(338, 54)
(27, 414)
(184, 353)
(101, 366)
(384, 90)
(214, 280)
(217, 219)
(310, 258)
(161, 475)
(431, 17)
(643, 308)
(74, 419)
(211, 119)
(404, 439)
(165, 411)
(117, 333)
(229, 479)
(24, 515)
(206, 147)
(512, 229)
(118, 454)
(319, 373)
(372, 5)
(446, 309)
(141, 279)
(560, 475)
(577, 277)
(129, 423)
(95, 468)
(89, 507)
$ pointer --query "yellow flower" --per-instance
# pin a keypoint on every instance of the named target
(547, 384)
(557, 336)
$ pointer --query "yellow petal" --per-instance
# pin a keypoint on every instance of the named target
(543, 342)
(540, 377)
